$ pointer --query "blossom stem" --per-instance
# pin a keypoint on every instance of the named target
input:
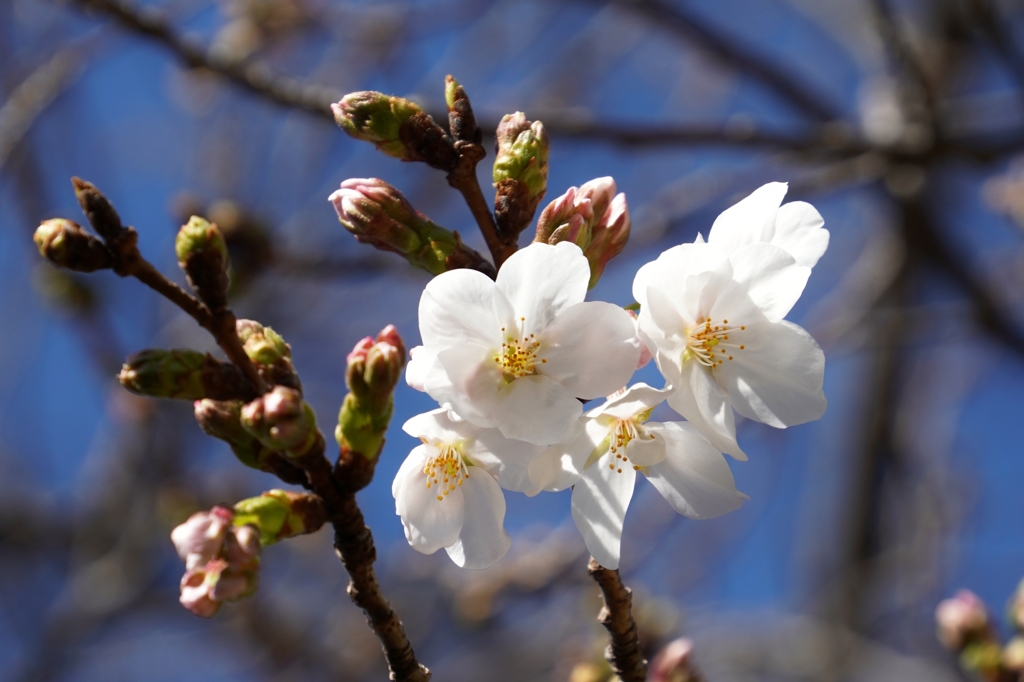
(463, 178)
(623, 652)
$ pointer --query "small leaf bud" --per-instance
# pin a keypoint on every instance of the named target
(98, 210)
(282, 421)
(396, 126)
(203, 255)
(279, 514)
(520, 172)
(66, 245)
(461, 119)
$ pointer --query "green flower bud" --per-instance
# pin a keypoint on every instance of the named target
(379, 215)
(262, 344)
(183, 375)
(279, 514)
(66, 245)
(461, 119)
(282, 421)
(520, 173)
(222, 420)
(203, 255)
(98, 210)
(373, 370)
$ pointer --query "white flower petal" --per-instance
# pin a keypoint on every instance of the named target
(438, 427)
(541, 281)
(561, 465)
(430, 524)
(458, 307)
(483, 539)
(631, 402)
(416, 459)
(538, 410)
(697, 397)
(774, 281)
(662, 327)
(591, 349)
(599, 502)
(745, 222)
(471, 384)
(694, 477)
(422, 361)
(777, 378)
(800, 230)
(646, 450)
(507, 460)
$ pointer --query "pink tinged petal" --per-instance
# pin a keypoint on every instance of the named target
(201, 537)
(430, 523)
(646, 450)
(233, 585)
(777, 377)
(591, 349)
(774, 280)
(542, 281)
(800, 230)
(195, 593)
(421, 363)
(538, 410)
(746, 222)
(632, 401)
(470, 384)
(694, 477)
(437, 427)
(483, 539)
(704, 404)
(457, 307)
(561, 465)
(507, 460)
(599, 502)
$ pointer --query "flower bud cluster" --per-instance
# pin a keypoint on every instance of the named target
(373, 369)
(269, 352)
(203, 255)
(282, 421)
(66, 245)
(379, 215)
(183, 374)
(520, 173)
(222, 560)
(593, 217)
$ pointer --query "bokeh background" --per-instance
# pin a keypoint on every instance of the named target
(900, 121)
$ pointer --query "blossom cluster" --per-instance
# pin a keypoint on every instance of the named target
(511, 362)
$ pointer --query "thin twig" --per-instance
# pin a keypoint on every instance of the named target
(729, 51)
(623, 652)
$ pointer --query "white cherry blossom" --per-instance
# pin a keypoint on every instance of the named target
(616, 442)
(796, 227)
(516, 353)
(714, 322)
(448, 490)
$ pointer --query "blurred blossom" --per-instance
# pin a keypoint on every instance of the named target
(960, 619)
(674, 663)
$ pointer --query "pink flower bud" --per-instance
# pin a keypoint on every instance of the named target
(961, 618)
(599, 192)
(358, 354)
(608, 237)
(196, 587)
(674, 663)
(281, 420)
(201, 538)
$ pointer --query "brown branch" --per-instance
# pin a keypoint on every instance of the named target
(728, 51)
(623, 652)
(252, 76)
(463, 178)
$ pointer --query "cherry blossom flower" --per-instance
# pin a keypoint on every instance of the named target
(797, 227)
(616, 442)
(714, 322)
(516, 353)
(448, 490)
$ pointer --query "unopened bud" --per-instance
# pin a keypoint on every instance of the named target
(593, 217)
(674, 663)
(279, 514)
(520, 172)
(461, 119)
(282, 421)
(960, 620)
(203, 255)
(1013, 654)
(184, 375)
(269, 352)
(98, 210)
(222, 419)
(373, 369)
(66, 245)
(201, 538)
(396, 126)
(379, 215)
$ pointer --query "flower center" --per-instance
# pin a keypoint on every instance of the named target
(624, 431)
(518, 355)
(446, 470)
(709, 343)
